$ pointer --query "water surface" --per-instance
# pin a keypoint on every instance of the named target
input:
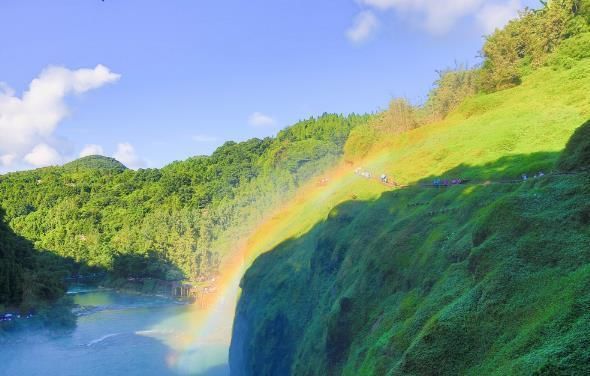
(118, 334)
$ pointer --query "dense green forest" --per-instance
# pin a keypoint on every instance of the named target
(481, 278)
(170, 223)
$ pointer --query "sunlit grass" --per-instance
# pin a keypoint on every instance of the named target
(538, 116)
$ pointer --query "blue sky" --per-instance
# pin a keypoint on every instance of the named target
(155, 81)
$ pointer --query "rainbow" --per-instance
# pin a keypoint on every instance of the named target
(209, 323)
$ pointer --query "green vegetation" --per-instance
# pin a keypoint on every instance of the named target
(556, 36)
(576, 156)
(170, 223)
(31, 281)
(489, 277)
(527, 43)
(96, 162)
(473, 279)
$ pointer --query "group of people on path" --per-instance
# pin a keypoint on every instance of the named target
(364, 173)
(540, 174)
(446, 182)
(438, 182)
(383, 178)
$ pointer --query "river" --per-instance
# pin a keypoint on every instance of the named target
(119, 334)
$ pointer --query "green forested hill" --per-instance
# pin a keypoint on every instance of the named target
(173, 222)
(97, 162)
(487, 277)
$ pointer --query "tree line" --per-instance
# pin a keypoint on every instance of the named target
(171, 223)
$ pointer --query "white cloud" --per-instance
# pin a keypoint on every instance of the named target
(204, 138)
(27, 123)
(364, 25)
(259, 119)
(91, 149)
(494, 16)
(126, 154)
(437, 16)
(43, 155)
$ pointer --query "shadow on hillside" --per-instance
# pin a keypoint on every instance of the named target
(34, 282)
(283, 288)
(507, 168)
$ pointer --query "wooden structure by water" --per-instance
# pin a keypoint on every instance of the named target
(197, 294)
(181, 290)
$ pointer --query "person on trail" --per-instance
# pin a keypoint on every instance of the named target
(524, 177)
(384, 178)
(541, 174)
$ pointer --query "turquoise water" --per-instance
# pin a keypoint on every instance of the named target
(118, 334)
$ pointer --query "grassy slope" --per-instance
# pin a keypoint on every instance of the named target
(537, 118)
(477, 279)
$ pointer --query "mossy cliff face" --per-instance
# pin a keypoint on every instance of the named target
(471, 279)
